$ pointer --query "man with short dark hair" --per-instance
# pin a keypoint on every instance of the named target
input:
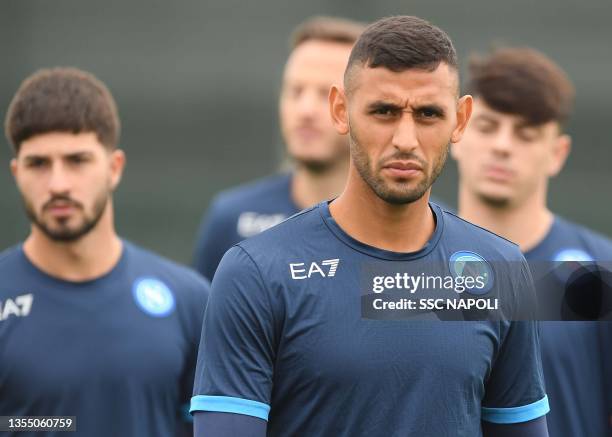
(91, 325)
(513, 145)
(285, 348)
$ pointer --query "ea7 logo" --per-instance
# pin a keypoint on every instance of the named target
(327, 269)
(20, 306)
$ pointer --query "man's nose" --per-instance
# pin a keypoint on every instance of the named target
(501, 143)
(405, 137)
(308, 104)
(59, 181)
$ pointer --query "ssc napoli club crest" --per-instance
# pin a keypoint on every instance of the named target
(577, 255)
(469, 264)
(153, 297)
(570, 260)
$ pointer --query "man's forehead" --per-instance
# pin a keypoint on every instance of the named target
(410, 84)
(60, 143)
(483, 111)
(317, 55)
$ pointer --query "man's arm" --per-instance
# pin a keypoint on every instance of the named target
(514, 390)
(228, 425)
(237, 350)
(533, 428)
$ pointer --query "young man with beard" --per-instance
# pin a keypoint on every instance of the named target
(91, 325)
(285, 349)
(513, 145)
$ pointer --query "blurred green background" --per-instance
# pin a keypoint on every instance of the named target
(197, 86)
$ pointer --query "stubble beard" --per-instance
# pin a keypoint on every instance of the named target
(377, 184)
(63, 233)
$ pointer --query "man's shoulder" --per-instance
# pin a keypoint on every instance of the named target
(10, 256)
(465, 233)
(297, 227)
(12, 267)
(147, 262)
(252, 193)
(595, 244)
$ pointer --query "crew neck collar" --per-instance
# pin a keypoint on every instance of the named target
(115, 270)
(376, 252)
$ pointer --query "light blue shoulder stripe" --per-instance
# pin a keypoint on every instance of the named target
(523, 413)
(228, 404)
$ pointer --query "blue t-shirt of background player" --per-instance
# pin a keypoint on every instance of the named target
(118, 352)
(240, 213)
(290, 346)
(576, 359)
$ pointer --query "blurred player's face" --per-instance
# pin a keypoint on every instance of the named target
(66, 181)
(312, 68)
(400, 125)
(503, 160)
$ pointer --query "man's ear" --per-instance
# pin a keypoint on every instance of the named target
(561, 150)
(117, 164)
(464, 112)
(338, 109)
(13, 166)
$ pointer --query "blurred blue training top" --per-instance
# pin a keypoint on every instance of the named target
(118, 352)
(576, 356)
(240, 213)
(283, 340)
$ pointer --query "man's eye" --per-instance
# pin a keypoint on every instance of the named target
(384, 111)
(77, 159)
(429, 113)
(527, 135)
(294, 92)
(36, 163)
(485, 128)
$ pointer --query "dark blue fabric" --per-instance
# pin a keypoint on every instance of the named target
(574, 357)
(533, 428)
(206, 424)
(117, 352)
(301, 346)
(240, 213)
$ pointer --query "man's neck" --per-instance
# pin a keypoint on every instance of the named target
(90, 257)
(309, 187)
(526, 224)
(373, 221)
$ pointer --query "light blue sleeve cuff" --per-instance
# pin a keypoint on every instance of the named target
(227, 404)
(520, 414)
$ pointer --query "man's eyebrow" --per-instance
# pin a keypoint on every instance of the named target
(79, 154)
(485, 117)
(382, 104)
(30, 158)
(434, 107)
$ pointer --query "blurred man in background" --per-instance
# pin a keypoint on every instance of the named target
(91, 325)
(514, 143)
(320, 48)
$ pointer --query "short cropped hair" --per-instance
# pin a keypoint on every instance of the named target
(62, 100)
(524, 82)
(401, 43)
(327, 29)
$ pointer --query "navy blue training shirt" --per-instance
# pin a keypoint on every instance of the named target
(117, 352)
(575, 356)
(240, 213)
(283, 340)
